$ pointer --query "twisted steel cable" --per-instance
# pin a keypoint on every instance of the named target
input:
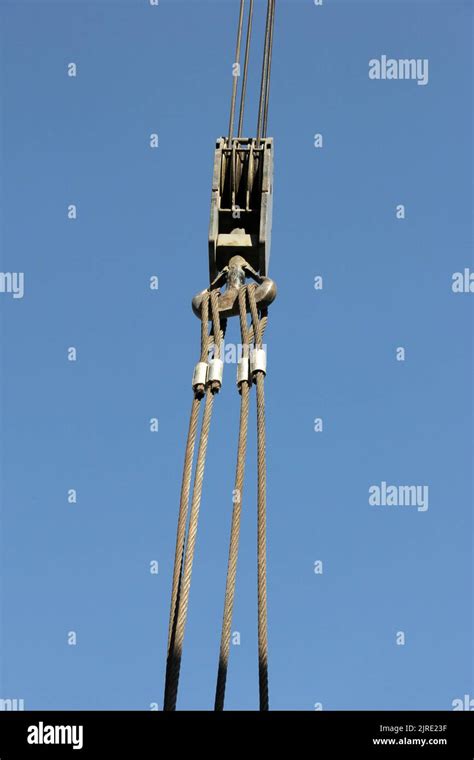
(246, 68)
(261, 514)
(269, 69)
(174, 660)
(186, 483)
(236, 515)
(235, 78)
(265, 70)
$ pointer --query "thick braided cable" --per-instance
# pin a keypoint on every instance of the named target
(263, 326)
(261, 514)
(185, 491)
(236, 514)
(171, 691)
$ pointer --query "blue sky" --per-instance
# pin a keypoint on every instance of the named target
(84, 425)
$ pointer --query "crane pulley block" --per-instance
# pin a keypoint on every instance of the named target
(239, 251)
(241, 204)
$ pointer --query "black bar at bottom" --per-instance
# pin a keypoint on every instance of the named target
(323, 734)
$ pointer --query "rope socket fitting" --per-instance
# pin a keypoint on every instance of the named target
(200, 374)
(216, 371)
(243, 371)
(258, 361)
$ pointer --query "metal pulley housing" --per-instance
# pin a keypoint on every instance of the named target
(241, 204)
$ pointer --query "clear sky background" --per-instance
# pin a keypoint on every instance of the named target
(84, 567)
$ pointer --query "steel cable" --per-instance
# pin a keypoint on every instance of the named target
(263, 83)
(246, 66)
(235, 76)
(186, 480)
(269, 70)
(236, 514)
(187, 556)
(261, 514)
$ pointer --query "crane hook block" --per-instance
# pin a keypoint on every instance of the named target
(241, 204)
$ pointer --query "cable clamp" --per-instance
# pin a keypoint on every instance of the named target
(200, 374)
(258, 361)
(242, 371)
(216, 371)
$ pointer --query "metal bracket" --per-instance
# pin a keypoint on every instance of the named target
(241, 204)
(233, 278)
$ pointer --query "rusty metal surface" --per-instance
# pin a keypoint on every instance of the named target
(233, 277)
